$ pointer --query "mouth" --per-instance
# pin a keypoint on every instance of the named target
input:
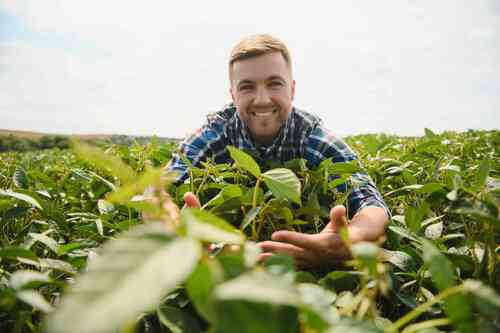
(264, 114)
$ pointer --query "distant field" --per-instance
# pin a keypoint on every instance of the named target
(38, 135)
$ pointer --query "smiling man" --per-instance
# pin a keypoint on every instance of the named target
(263, 121)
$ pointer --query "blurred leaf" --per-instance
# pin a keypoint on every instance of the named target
(244, 161)
(34, 299)
(177, 320)
(283, 183)
(22, 278)
(200, 286)
(130, 277)
(15, 252)
(482, 174)
(149, 178)
(105, 207)
(366, 253)
(104, 161)
(205, 226)
(46, 240)
(265, 287)
(349, 325)
(21, 196)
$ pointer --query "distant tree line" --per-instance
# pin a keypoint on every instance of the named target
(15, 143)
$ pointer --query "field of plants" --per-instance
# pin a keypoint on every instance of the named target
(91, 241)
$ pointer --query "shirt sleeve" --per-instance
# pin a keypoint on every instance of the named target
(321, 145)
(195, 149)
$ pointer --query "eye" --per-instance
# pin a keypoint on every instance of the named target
(245, 87)
(276, 84)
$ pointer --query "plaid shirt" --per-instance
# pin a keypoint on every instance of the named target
(302, 136)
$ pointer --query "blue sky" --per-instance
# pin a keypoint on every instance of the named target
(148, 68)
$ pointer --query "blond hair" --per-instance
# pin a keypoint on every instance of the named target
(256, 45)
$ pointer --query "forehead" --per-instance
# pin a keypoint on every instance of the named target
(261, 67)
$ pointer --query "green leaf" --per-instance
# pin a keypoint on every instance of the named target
(20, 179)
(124, 193)
(22, 278)
(415, 215)
(15, 252)
(46, 240)
(317, 311)
(133, 274)
(200, 286)
(366, 253)
(104, 161)
(228, 192)
(283, 183)
(34, 299)
(21, 196)
(487, 300)
(349, 325)
(244, 161)
(443, 275)
(265, 288)
(400, 259)
(249, 217)
(105, 207)
(177, 320)
(205, 226)
(482, 174)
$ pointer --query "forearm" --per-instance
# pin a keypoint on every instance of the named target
(368, 224)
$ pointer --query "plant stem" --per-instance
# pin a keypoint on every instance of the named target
(255, 192)
(423, 307)
(427, 324)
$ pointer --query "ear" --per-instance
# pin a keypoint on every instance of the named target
(293, 89)
(231, 92)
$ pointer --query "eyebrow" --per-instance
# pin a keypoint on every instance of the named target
(271, 78)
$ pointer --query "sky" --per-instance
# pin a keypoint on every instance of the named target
(158, 67)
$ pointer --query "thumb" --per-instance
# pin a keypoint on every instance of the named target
(191, 201)
(338, 218)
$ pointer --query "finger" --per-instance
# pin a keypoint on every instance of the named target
(284, 248)
(338, 217)
(263, 256)
(191, 201)
(298, 239)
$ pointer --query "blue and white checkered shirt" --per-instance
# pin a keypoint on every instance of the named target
(302, 136)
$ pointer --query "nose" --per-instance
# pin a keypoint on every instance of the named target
(262, 97)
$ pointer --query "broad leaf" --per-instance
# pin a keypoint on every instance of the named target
(177, 320)
(205, 226)
(104, 161)
(131, 276)
(443, 275)
(21, 196)
(283, 183)
(244, 161)
(482, 174)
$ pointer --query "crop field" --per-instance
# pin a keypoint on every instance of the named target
(91, 241)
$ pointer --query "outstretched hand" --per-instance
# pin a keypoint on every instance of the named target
(314, 251)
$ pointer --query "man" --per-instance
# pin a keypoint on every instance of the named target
(262, 119)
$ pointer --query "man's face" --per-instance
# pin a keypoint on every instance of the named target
(262, 89)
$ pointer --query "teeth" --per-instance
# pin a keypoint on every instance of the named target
(263, 114)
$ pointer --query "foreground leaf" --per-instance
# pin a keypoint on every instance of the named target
(443, 275)
(131, 277)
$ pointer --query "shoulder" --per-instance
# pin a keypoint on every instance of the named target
(306, 121)
(322, 143)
